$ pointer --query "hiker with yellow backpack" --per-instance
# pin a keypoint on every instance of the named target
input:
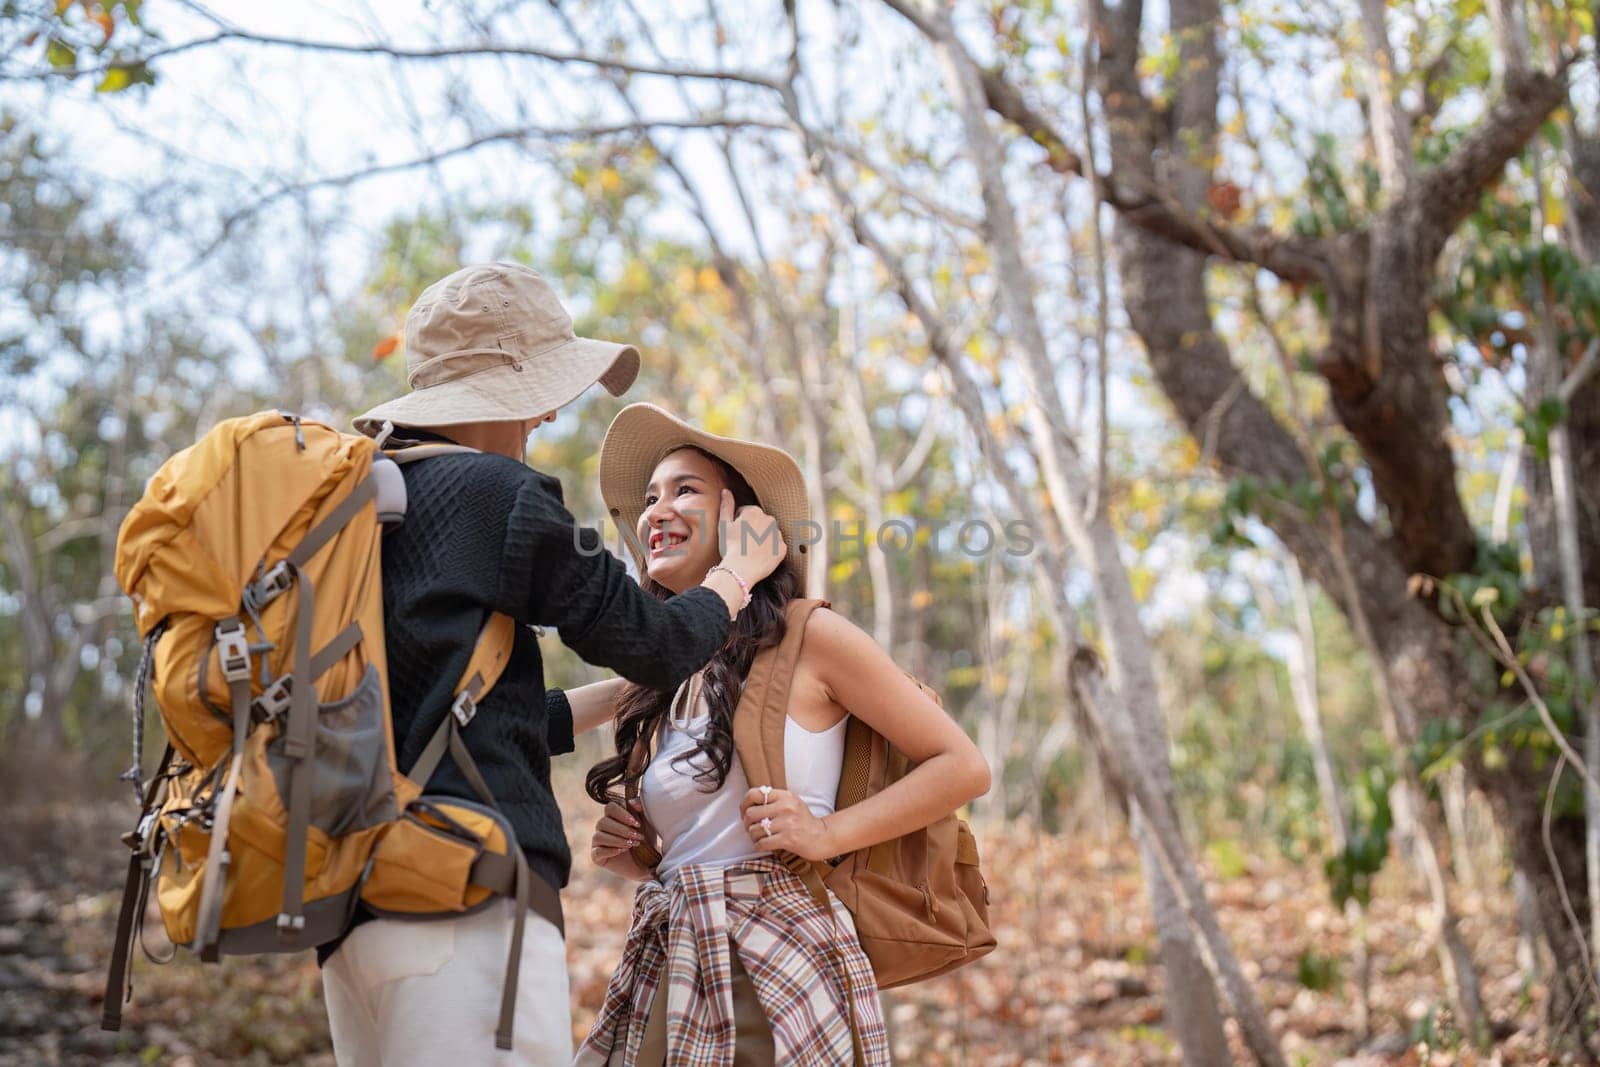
(338, 635)
(788, 810)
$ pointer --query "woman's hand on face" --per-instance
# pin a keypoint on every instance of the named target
(752, 543)
(618, 830)
(793, 828)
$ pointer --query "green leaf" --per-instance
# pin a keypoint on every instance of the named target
(61, 55)
(119, 78)
(1537, 424)
(1228, 859)
(1316, 972)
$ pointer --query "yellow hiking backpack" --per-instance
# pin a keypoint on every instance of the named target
(253, 561)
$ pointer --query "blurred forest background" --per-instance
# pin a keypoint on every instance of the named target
(1275, 322)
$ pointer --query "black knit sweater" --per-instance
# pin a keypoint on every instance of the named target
(485, 533)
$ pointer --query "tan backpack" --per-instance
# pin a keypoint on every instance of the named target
(253, 561)
(920, 903)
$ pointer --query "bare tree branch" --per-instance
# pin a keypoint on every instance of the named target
(1102, 292)
(1391, 124)
(1447, 192)
(73, 529)
(519, 135)
(857, 155)
(912, 463)
(1147, 205)
(382, 49)
(1433, 73)
(1578, 375)
(1510, 21)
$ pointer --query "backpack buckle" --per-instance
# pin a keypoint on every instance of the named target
(464, 708)
(138, 838)
(274, 583)
(271, 703)
(233, 650)
(290, 924)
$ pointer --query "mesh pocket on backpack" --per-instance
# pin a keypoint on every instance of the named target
(351, 788)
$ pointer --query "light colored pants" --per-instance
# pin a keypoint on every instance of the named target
(429, 993)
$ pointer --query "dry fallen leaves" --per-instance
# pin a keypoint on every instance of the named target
(1075, 979)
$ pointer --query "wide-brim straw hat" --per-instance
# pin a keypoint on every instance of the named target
(642, 435)
(493, 343)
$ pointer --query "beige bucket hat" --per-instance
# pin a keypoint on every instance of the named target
(493, 343)
(642, 435)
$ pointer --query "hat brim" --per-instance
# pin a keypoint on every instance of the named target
(642, 435)
(512, 391)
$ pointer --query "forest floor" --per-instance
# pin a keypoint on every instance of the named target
(1075, 979)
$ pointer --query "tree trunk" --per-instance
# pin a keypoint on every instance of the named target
(870, 489)
(1385, 383)
(1529, 931)
(1455, 959)
(1308, 704)
(1192, 1013)
(1559, 549)
(1195, 1017)
(1453, 798)
(1114, 715)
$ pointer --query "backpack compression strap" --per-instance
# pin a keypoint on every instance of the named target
(299, 734)
(135, 893)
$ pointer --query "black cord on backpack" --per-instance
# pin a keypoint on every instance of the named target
(141, 680)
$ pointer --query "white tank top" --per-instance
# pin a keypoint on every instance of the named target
(701, 827)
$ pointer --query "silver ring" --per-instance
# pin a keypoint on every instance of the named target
(766, 793)
(766, 824)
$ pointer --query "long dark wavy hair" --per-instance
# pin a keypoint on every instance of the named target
(641, 710)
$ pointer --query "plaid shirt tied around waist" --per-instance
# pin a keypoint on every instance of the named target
(809, 971)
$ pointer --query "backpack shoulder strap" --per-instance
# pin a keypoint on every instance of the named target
(489, 658)
(758, 720)
(490, 655)
(412, 453)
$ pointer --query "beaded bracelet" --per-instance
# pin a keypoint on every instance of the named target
(744, 586)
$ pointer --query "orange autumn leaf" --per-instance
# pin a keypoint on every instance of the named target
(95, 13)
(386, 347)
(1224, 198)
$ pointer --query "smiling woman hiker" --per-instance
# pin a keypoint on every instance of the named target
(731, 957)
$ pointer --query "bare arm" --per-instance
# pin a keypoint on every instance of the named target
(949, 770)
(595, 704)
